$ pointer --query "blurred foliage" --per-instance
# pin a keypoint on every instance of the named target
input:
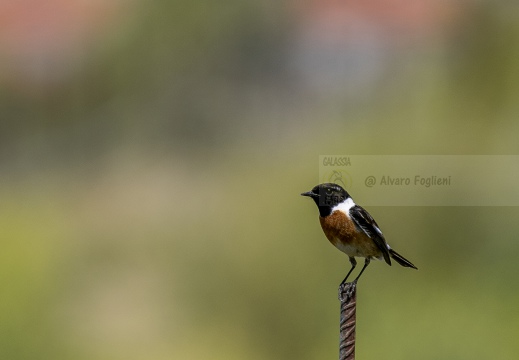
(150, 201)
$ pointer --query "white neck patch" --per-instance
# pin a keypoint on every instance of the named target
(344, 206)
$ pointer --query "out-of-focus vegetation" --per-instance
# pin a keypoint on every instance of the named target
(151, 160)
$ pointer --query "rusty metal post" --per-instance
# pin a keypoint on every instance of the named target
(348, 322)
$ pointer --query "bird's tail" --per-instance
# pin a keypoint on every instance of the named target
(401, 260)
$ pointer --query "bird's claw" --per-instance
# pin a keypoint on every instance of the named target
(347, 289)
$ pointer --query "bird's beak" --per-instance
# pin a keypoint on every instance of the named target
(310, 194)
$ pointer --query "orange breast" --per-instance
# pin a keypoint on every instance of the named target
(343, 234)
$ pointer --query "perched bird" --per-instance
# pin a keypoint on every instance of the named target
(351, 229)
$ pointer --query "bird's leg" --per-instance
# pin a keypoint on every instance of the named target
(351, 289)
(366, 263)
(341, 286)
(353, 264)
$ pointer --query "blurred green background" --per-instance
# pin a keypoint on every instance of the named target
(152, 154)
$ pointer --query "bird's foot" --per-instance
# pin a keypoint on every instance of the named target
(347, 290)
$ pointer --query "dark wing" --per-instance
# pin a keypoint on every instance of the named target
(369, 226)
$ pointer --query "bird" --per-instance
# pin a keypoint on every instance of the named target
(352, 230)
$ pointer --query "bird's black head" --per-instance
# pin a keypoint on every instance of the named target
(326, 196)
